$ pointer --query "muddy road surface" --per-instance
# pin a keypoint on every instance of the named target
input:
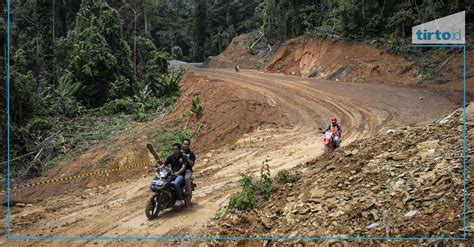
(117, 210)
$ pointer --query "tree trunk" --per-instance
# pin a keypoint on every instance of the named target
(363, 10)
(146, 24)
(135, 48)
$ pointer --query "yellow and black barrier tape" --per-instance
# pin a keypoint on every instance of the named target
(94, 173)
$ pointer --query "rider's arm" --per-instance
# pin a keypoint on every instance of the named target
(328, 127)
(192, 159)
(167, 162)
(181, 171)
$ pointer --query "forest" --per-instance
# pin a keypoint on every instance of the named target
(81, 71)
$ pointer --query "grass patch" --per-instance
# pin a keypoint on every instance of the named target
(165, 139)
(52, 163)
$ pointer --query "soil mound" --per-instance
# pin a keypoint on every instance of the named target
(237, 52)
(351, 62)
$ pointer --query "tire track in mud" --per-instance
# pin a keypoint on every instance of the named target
(364, 125)
(307, 103)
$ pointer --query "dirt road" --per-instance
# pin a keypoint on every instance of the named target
(117, 210)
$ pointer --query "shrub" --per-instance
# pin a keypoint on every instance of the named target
(39, 123)
(140, 115)
(264, 187)
(243, 201)
(284, 176)
(167, 138)
(176, 52)
(124, 105)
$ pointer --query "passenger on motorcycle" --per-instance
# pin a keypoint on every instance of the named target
(335, 128)
(189, 168)
(178, 162)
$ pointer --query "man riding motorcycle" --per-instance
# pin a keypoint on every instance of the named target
(335, 128)
(178, 162)
(189, 169)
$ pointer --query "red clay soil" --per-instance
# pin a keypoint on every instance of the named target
(363, 62)
(352, 62)
(236, 53)
(225, 108)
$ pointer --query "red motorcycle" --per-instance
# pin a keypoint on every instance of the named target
(329, 145)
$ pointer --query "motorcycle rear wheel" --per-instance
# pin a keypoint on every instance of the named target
(152, 207)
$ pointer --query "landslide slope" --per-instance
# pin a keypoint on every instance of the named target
(237, 52)
(404, 182)
(333, 60)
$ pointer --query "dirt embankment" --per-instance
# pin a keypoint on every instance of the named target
(407, 182)
(237, 52)
(221, 124)
(361, 62)
(352, 62)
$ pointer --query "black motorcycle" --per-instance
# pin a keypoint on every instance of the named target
(164, 193)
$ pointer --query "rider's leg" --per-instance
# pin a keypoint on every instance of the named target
(187, 181)
(179, 180)
(337, 141)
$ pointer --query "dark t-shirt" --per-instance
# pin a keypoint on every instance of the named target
(176, 162)
(191, 156)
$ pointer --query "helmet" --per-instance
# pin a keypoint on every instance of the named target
(333, 120)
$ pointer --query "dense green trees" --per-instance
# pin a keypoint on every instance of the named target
(99, 58)
(352, 19)
(73, 56)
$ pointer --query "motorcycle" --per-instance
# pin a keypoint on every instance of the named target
(164, 194)
(329, 145)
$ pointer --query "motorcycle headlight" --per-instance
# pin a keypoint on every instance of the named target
(163, 173)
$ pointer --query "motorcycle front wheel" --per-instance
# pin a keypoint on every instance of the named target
(152, 207)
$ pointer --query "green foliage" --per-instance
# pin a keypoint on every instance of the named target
(284, 176)
(197, 107)
(166, 84)
(39, 123)
(99, 59)
(52, 163)
(402, 47)
(151, 62)
(243, 201)
(428, 71)
(24, 99)
(350, 19)
(168, 138)
(125, 105)
(140, 115)
(60, 99)
(143, 98)
(263, 187)
(177, 53)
